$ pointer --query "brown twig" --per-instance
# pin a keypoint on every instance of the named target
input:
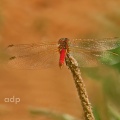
(73, 66)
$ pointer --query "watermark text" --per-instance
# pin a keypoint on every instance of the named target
(12, 99)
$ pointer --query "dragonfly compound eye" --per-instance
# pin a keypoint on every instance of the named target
(63, 40)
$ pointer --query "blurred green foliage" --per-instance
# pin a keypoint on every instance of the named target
(111, 57)
(51, 114)
(96, 113)
(109, 77)
(114, 114)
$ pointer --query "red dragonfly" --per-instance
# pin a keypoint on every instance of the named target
(87, 52)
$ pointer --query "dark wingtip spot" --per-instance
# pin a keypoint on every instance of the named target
(12, 58)
(10, 45)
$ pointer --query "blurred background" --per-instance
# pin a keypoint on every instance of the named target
(35, 21)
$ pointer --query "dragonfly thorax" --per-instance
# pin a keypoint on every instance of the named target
(63, 43)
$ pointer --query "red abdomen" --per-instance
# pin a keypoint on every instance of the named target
(62, 57)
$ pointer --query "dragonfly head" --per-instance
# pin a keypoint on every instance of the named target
(63, 43)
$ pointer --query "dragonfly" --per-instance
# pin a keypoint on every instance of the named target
(87, 52)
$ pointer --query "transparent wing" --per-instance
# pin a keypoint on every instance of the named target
(96, 44)
(85, 59)
(25, 49)
(33, 56)
(92, 59)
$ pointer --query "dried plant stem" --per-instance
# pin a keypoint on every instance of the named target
(73, 66)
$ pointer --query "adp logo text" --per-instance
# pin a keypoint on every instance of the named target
(12, 100)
